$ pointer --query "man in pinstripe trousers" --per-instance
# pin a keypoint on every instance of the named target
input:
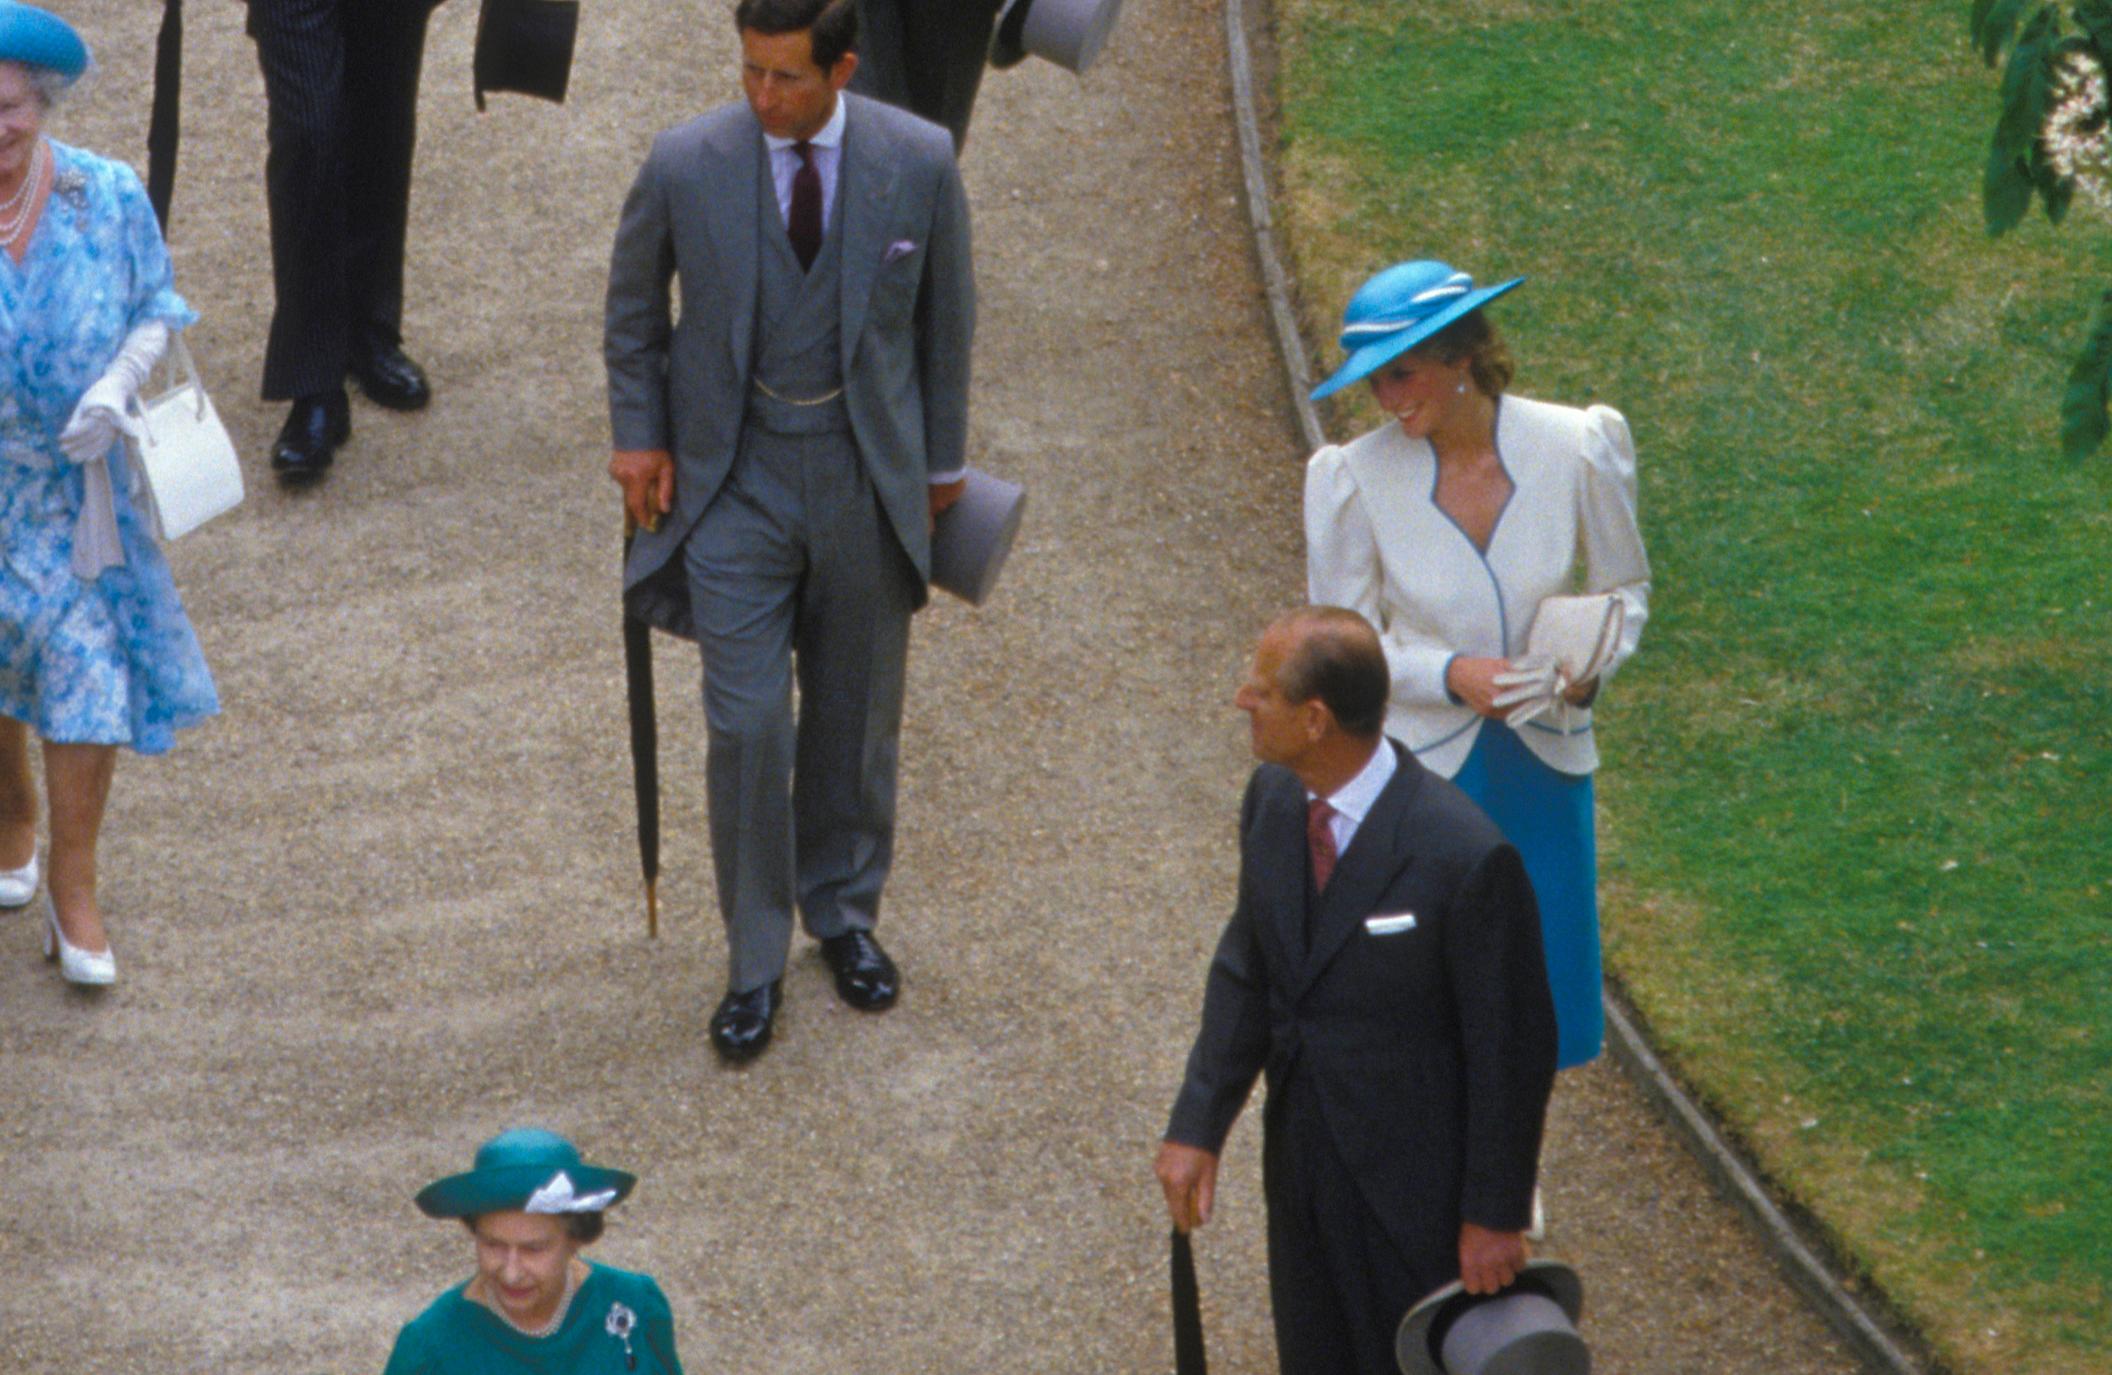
(341, 80)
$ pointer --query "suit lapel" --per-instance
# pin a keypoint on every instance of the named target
(1376, 854)
(732, 156)
(1280, 831)
(866, 184)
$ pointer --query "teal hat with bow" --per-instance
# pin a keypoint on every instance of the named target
(530, 1169)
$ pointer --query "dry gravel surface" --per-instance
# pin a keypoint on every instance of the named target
(388, 903)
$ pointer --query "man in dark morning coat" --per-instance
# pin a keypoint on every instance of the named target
(927, 56)
(341, 93)
(784, 441)
(1396, 998)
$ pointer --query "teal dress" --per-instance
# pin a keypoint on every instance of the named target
(619, 1324)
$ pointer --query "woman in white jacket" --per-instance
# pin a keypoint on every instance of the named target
(1446, 528)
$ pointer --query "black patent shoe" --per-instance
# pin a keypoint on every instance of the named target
(308, 440)
(865, 977)
(389, 378)
(740, 1029)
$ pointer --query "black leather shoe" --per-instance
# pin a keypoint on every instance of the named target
(865, 977)
(389, 378)
(741, 1027)
(308, 440)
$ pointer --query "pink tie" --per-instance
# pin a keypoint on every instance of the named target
(1320, 842)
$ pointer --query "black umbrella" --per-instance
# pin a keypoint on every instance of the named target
(1189, 1357)
(161, 125)
(645, 747)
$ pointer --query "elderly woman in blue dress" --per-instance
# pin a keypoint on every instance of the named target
(1447, 527)
(94, 648)
(534, 1306)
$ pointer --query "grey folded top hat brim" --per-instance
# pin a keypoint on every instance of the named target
(1528, 1329)
(1069, 33)
(972, 538)
(525, 46)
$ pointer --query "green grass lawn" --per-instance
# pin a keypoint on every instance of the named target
(1857, 806)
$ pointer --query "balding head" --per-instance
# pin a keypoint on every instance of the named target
(1333, 656)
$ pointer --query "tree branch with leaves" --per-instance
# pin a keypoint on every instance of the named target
(2053, 141)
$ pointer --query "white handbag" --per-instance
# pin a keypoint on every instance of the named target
(1578, 633)
(1571, 641)
(181, 452)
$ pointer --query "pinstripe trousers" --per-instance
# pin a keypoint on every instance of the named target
(926, 56)
(341, 83)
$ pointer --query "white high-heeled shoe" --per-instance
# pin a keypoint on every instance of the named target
(18, 886)
(89, 968)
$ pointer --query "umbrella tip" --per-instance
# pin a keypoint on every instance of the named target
(652, 909)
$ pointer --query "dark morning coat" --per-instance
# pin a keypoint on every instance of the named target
(1430, 1052)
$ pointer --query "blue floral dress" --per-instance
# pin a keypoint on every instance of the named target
(111, 661)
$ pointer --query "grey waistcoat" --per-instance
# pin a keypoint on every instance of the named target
(798, 326)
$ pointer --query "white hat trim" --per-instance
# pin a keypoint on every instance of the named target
(558, 1196)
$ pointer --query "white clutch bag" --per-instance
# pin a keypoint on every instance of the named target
(182, 453)
(1571, 640)
(1578, 633)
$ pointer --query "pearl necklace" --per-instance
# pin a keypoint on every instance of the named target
(564, 1305)
(14, 216)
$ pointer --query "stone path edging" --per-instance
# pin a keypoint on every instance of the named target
(1733, 1176)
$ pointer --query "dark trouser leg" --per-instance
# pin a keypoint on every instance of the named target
(300, 47)
(384, 47)
(853, 646)
(745, 561)
(948, 43)
(1338, 1285)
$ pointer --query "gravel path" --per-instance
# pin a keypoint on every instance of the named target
(388, 903)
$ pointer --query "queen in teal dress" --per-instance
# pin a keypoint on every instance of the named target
(95, 651)
(534, 1305)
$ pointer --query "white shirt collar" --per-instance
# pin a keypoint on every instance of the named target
(830, 134)
(1355, 798)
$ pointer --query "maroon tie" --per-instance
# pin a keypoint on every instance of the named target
(804, 224)
(1320, 842)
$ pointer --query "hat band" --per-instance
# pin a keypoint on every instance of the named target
(1460, 285)
(558, 1196)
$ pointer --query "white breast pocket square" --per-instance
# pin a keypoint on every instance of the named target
(1390, 924)
(900, 248)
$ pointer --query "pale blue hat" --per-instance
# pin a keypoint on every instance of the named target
(1398, 309)
(39, 38)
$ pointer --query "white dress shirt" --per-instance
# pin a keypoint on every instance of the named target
(828, 158)
(1354, 800)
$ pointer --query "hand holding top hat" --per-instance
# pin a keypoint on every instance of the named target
(1528, 1329)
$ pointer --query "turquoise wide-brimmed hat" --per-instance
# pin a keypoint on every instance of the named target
(39, 38)
(530, 1169)
(1398, 309)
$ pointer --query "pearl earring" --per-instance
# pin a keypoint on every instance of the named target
(1461, 389)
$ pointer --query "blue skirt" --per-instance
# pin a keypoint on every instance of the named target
(1546, 815)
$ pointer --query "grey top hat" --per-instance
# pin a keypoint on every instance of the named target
(972, 537)
(1528, 1329)
(1069, 33)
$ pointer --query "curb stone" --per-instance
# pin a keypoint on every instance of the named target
(1734, 1177)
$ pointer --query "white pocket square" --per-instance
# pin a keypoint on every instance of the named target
(1389, 924)
(900, 248)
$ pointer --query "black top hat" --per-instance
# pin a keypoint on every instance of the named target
(1528, 1329)
(525, 46)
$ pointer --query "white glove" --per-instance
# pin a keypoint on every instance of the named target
(1531, 688)
(103, 412)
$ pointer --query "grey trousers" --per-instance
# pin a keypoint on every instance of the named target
(794, 562)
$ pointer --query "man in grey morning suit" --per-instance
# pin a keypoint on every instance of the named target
(1383, 965)
(783, 441)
